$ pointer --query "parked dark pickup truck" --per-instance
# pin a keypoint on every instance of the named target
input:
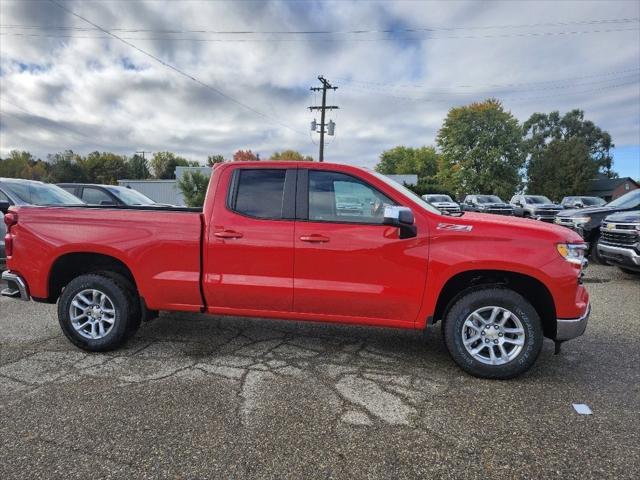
(620, 241)
(486, 204)
(587, 221)
(272, 242)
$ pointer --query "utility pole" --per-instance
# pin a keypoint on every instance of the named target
(325, 86)
(142, 152)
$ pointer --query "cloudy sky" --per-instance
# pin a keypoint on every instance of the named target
(231, 75)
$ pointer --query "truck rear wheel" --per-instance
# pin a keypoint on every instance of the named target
(493, 333)
(95, 312)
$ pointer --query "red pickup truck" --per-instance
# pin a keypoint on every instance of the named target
(306, 241)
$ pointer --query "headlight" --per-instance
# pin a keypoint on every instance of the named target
(577, 221)
(572, 252)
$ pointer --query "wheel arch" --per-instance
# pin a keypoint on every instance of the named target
(529, 287)
(70, 265)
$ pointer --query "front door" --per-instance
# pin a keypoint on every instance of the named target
(347, 263)
(249, 251)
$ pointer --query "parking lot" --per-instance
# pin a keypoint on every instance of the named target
(204, 397)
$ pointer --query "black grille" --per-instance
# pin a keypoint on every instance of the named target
(501, 211)
(614, 238)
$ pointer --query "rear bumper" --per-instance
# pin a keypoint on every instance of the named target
(619, 255)
(568, 328)
(16, 287)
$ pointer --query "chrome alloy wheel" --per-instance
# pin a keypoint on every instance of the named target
(92, 314)
(493, 335)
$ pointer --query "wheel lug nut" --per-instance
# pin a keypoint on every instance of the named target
(495, 341)
(500, 334)
(482, 333)
(495, 326)
(486, 340)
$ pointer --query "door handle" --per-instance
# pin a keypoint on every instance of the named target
(315, 238)
(228, 234)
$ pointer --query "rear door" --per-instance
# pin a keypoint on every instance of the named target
(248, 262)
(347, 263)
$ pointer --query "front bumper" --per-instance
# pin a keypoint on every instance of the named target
(16, 287)
(568, 328)
(619, 255)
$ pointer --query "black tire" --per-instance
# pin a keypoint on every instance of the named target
(498, 297)
(123, 303)
(135, 319)
(594, 255)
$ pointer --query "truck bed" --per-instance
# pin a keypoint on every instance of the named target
(161, 245)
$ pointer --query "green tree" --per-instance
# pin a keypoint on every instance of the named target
(564, 167)
(164, 164)
(400, 160)
(213, 159)
(66, 166)
(139, 168)
(105, 167)
(193, 186)
(291, 155)
(22, 165)
(481, 150)
(542, 131)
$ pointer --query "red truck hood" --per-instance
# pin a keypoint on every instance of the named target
(509, 223)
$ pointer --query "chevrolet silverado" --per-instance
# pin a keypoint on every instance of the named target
(271, 241)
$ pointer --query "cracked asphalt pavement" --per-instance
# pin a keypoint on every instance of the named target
(193, 396)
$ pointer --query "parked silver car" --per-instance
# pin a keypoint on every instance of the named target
(444, 203)
(538, 207)
(15, 191)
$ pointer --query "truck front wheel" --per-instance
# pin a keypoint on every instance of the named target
(493, 333)
(95, 312)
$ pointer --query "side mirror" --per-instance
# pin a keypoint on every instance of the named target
(401, 217)
(578, 205)
(4, 207)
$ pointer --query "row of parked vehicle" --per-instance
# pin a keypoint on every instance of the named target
(30, 192)
(538, 207)
(612, 229)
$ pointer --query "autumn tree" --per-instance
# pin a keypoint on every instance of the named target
(291, 155)
(21, 164)
(213, 159)
(481, 150)
(244, 156)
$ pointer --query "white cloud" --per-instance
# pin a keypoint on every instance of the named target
(96, 93)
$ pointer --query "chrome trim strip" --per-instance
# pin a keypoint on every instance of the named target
(22, 292)
(624, 252)
(568, 328)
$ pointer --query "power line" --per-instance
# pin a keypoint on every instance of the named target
(177, 70)
(510, 99)
(289, 40)
(445, 93)
(335, 32)
(495, 85)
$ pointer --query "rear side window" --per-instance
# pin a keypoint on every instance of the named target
(95, 196)
(260, 193)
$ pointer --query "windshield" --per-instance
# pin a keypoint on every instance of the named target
(628, 200)
(438, 198)
(488, 199)
(592, 201)
(538, 199)
(130, 196)
(34, 193)
(405, 191)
